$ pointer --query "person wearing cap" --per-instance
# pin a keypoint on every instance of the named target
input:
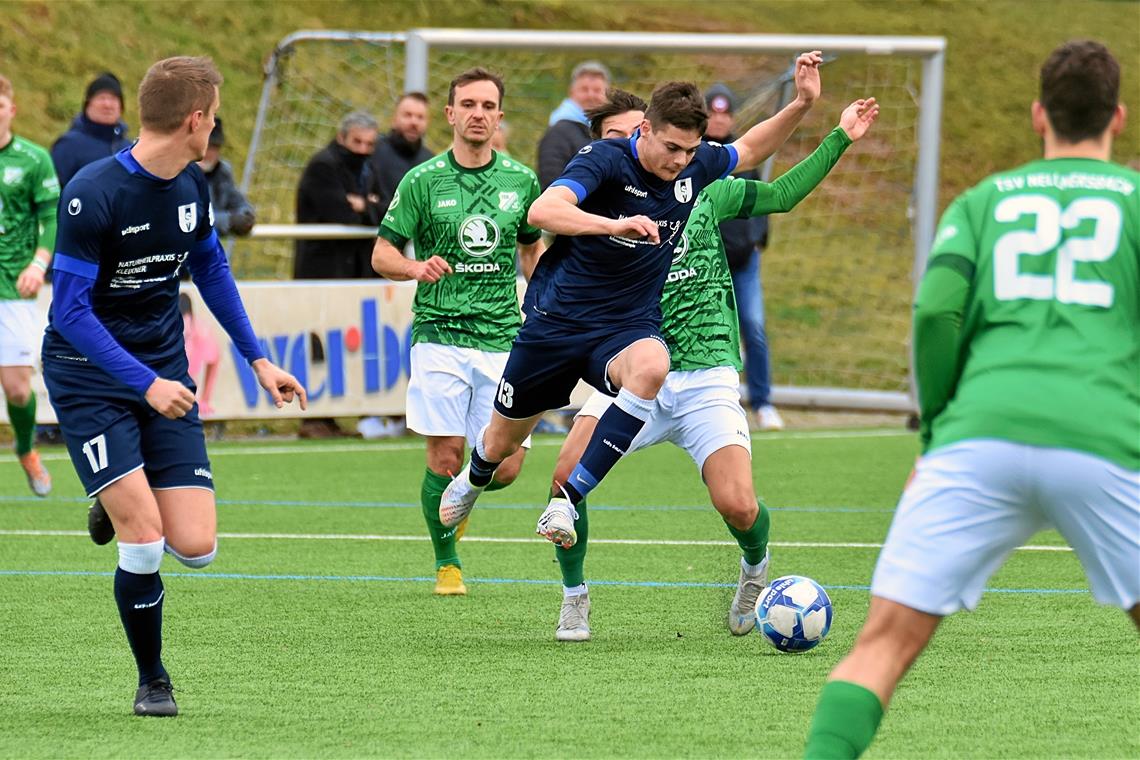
(233, 214)
(744, 239)
(569, 129)
(97, 132)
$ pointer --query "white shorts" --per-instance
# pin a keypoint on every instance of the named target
(19, 335)
(972, 503)
(451, 391)
(697, 410)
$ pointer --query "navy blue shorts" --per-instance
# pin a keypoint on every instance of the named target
(110, 431)
(548, 358)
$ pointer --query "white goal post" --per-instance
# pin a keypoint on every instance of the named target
(837, 291)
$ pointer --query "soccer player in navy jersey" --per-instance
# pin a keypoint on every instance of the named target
(594, 302)
(113, 355)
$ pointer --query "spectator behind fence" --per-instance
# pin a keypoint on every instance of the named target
(501, 137)
(233, 214)
(403, 147)
(97, 132)
(744, 239)
(569, 128)
(338, 187)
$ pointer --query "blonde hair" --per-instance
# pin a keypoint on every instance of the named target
(174, 88)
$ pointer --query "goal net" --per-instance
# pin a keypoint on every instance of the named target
(837, 274)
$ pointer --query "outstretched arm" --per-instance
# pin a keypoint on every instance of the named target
(764, 139)
(794, 185)
(556, 210)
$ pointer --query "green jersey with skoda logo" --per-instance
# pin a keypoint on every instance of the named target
(698, 306)
(29, 194)
(472, 218)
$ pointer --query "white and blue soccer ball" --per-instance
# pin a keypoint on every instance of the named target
(793, 614)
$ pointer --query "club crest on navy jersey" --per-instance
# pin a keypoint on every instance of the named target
(188, 217)
(683, 189)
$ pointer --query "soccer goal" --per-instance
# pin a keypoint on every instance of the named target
(839, 271)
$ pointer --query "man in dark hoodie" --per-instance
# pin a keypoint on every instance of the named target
(97, 132)
(338, 187)
(743, 241)
(403, 147)
(569, 128)
(233, 214)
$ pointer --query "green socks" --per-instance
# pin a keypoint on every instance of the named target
(23, 420)
(442, 539)
(495, 485)
(573, 560)
(754, 541)
(844, 723)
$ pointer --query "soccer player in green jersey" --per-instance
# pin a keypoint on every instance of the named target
(698, 408)
(29, 194)
(1027, 353)
(466, 212)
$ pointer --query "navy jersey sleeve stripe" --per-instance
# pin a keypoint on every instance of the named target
(63, 262)
(733, 161)
(578, 188)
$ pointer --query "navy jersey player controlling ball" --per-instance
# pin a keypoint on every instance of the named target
(593, 307)
(113, 355)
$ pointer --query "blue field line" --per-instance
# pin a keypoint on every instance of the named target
(491, 581)
(482, 507)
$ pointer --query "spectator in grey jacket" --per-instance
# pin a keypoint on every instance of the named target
(233, 214)
(403, 147)
(97, 132)
(569, 128)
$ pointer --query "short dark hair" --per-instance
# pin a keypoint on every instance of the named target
(1080, 86)
(679, 104)
(413, 95)
(617, 103)
(477, 74)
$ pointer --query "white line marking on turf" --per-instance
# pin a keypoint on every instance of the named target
(367, 448)
(520, 540)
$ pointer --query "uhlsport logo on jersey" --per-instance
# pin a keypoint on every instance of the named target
(478, 235)
(509, 201)
(683, 189)
(188, 217)
(74, 207)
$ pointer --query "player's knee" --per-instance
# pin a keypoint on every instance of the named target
(142, 558)
(195, 554)
(18, 394)
(738, 510)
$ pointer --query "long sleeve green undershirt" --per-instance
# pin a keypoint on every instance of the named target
(791, 187)
(938, 311)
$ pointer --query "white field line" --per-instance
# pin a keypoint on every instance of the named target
(366, 448)
(519, 540)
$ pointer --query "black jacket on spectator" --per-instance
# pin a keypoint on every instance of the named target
(558, 145)
(331, 174)
(85, 143)
(741, 236)
(233, 214)
(393, 158)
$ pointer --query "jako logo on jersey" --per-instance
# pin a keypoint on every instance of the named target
(634, 191)
(478, 235)
(13, 174)
(683, 189)
(75, 207)
(945, 234)
(509, 201)
(188, 217)
(447, 203)
(134, 229)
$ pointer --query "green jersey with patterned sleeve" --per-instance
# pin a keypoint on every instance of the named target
(472, 218)
(1049, 349)
(29, 194)
(699, 319)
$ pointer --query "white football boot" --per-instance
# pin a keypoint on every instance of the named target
(458, 498)
(742, 613)
(574, 620)
(557, 523)
(767, 418)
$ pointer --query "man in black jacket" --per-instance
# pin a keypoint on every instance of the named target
(233, 214)
(403, 147)
(97, 132)
(743, 241)
(338, 187)
(569, 128)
